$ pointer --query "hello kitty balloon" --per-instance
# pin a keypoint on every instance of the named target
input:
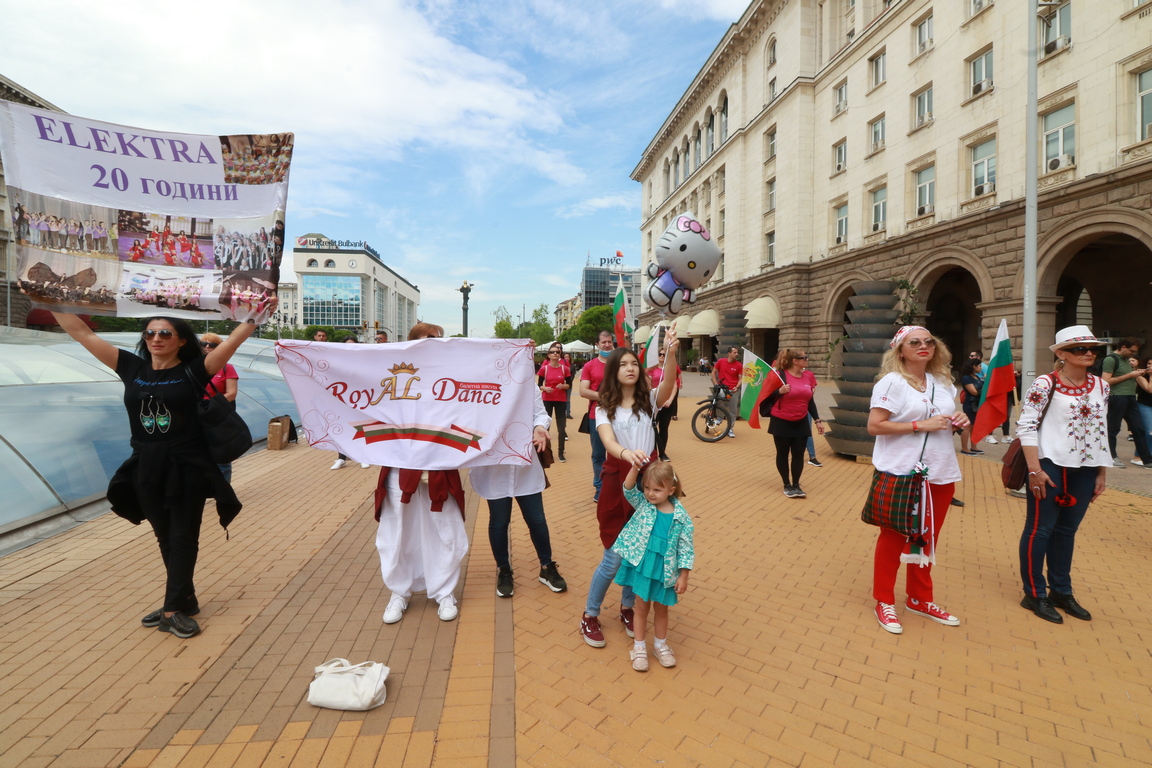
(686, 256)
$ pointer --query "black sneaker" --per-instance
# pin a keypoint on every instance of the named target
(789, 492)
(798, 492)
(504, 583)
(153, 619)
(551, 578)
(179, 625)
(814, 462)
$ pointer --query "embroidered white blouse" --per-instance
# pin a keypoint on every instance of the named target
(1074, 432)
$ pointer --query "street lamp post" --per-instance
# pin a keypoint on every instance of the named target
(466, 289)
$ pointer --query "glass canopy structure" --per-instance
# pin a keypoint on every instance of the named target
(63, 429)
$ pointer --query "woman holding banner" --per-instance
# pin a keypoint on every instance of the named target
(421, 538)
(170, 473)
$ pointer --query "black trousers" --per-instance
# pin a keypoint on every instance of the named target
(556, 409)
(177, 529)
(793, 447)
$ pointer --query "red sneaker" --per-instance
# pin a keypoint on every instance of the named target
(932, 611)
(886, 615)
(627, 615)
(590, 630)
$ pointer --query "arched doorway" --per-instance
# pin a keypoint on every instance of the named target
(1106, 286)
(952, 313)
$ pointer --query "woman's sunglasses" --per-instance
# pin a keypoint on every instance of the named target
(1083, 350)
(921, 342)
(209, 344)
(163, 333)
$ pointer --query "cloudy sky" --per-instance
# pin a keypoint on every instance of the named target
(465, 140)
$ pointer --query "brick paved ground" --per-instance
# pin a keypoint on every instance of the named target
(781, 662)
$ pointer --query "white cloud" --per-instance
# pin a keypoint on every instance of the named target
(591, 206)
(720, 10)
(355, 80)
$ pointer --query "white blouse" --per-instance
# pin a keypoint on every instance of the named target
(1074, 432)
(502, 481)
(898, 454)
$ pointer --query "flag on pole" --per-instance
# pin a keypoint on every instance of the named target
(1000, 381)
(758, 381)
(622, 321)
(652, 348)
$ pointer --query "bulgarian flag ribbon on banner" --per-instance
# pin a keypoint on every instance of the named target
(1000, 381)
(758, 381)
(621, 318)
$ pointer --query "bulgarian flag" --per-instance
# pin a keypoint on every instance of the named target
(1000, 381)
(758, 381)
(652, 349)
(621, 317)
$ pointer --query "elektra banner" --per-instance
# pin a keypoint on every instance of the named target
(120, 221)
(427, 404)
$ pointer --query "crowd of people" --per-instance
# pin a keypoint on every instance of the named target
(62, 291)
(264, 160)
(59, 233)
(170, 294)
(243, 252)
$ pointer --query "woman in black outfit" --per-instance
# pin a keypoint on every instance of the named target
(170, 474)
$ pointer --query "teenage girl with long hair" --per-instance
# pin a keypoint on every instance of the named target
(624, 416)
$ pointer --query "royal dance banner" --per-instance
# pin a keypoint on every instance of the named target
(427, 404)
(119, 221)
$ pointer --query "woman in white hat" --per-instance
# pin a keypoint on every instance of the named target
(1063, 430)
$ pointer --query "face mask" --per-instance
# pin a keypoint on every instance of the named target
(605, 353)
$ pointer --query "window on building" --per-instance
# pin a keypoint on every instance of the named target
(1057, 28)
(330, 264)
(724, 121)
(840, 156)
(720, 231)
(876, 129)
(771, 144)
(771, 203)
(975, 6)
(879, 68)
(675, 170)
(711, 134)
(667, 180)
(981, 70)
(841, 97)
(1060, 138)
(771, 53)
(313, 263)
(1144, 103)
(984, 168)
(925, 190)
(772, 90)
(842, 224)
(879, 208)
(924, 35)
(696, 148)
(770, 248)
(924, 106)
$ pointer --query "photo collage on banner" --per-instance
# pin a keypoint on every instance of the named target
(208, 247)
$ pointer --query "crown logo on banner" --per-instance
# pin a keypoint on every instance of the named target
(403, 368)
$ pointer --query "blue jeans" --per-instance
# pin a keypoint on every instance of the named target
(1146, 415)
(500, 517)
(598, 453)
(811, 442)
(1050, 530)
(602, 579)
(1123, 407)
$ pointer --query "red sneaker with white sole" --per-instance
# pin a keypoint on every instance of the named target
(932, 611)
(886, 615)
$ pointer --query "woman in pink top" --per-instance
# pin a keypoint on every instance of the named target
(555, 380)
(792, 403)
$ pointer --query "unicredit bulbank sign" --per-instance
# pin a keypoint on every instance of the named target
(318, 242)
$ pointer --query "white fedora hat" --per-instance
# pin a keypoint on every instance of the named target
(1075, 336)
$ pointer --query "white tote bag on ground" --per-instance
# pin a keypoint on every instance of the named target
(340, 684)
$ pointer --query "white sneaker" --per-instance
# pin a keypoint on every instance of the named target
(731, 433)
(1119, 464)
(364, 466)
(337, 464)
(395, 610)
(990, 440)
(1139, 463)
(448, 610)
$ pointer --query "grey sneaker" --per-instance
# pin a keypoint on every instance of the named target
(551, 578)
(504, 585)
(798, 492)
(179, 625)
(789, 492)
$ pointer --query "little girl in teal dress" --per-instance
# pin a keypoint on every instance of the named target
(658, 553)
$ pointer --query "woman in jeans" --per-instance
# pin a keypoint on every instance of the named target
(499, 484)
(1066, 447)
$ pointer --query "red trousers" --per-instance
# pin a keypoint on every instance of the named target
(890, 545)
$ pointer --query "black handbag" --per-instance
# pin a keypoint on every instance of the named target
(227, 435)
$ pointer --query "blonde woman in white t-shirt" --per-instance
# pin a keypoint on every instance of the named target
(913, 414)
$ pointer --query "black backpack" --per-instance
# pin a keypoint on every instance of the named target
(1097, 368)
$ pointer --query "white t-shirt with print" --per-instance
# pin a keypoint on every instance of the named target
(634, 432)
(898, 454)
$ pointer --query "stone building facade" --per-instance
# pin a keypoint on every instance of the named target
(826, 142)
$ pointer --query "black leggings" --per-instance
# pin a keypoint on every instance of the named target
(556, 409)
(663, 419)
(795, 445)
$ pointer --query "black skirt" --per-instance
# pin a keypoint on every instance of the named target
(779, 427)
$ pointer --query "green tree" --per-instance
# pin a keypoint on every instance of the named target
(504, 329)
(538, 328)
(591, 323)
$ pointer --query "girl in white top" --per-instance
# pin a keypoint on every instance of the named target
(499, 484)
(913, 414)
(624, 416)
